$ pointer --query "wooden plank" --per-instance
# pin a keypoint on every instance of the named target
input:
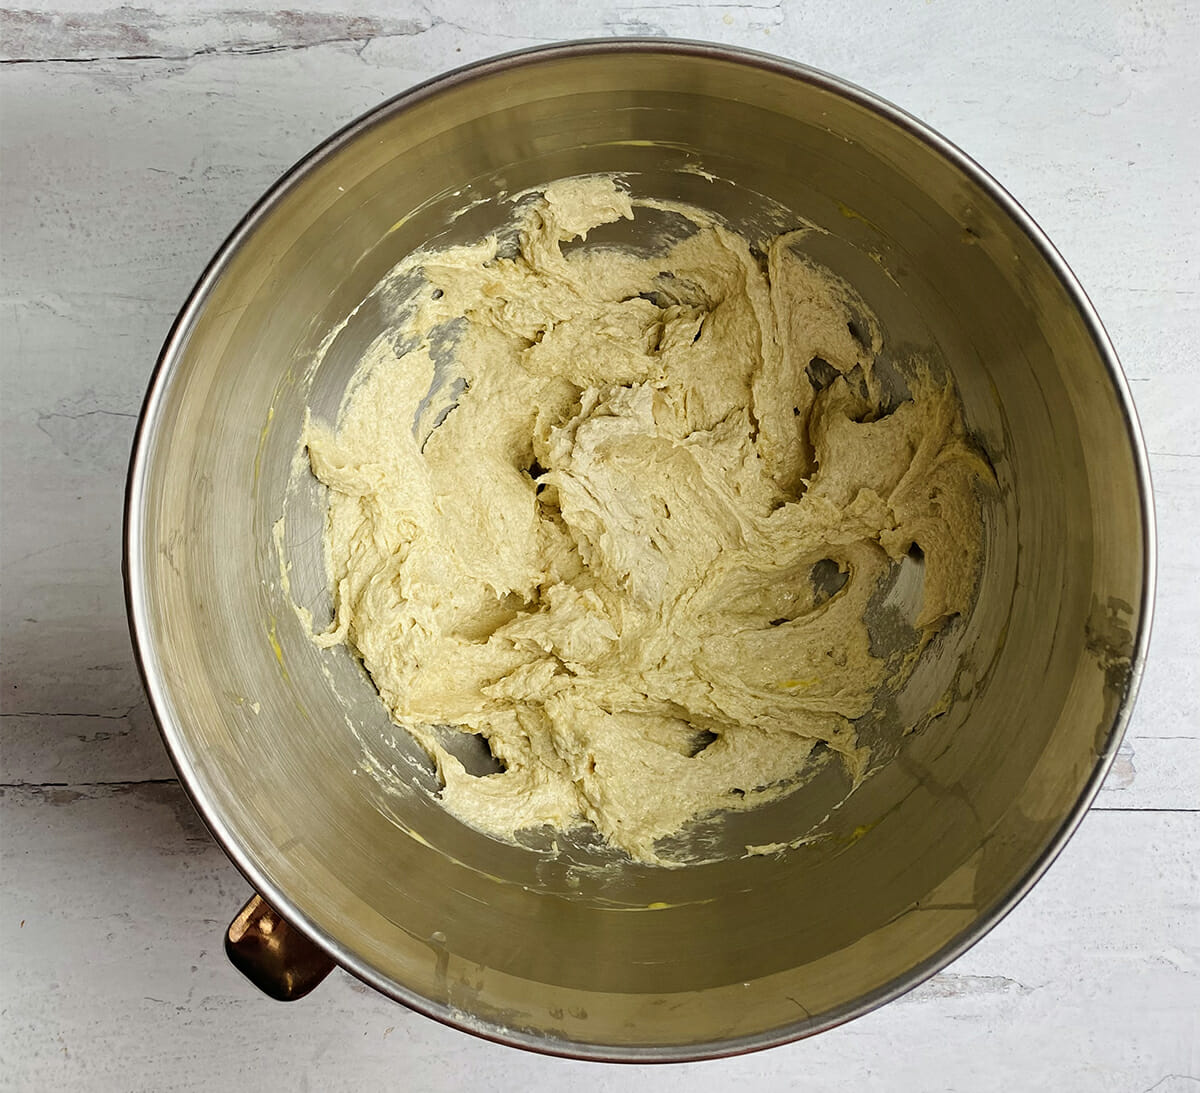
(114, 977)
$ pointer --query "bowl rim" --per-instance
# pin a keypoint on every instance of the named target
(155, 684)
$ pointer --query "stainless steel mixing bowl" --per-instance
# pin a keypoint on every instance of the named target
(277, 741)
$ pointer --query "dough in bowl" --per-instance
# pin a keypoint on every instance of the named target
(623, 517)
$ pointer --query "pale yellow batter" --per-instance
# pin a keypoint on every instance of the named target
(588, 536)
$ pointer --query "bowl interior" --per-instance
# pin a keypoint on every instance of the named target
(325, 804)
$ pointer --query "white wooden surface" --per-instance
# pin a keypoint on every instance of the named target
(132, 139)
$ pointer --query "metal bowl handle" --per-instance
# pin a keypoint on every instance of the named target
(280, 960)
